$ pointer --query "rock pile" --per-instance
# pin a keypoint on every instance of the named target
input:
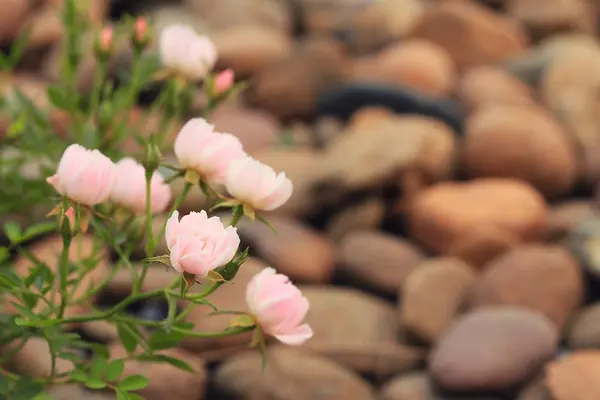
(445, 156)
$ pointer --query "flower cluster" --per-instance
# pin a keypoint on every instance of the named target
(197, 243)
(88, 177)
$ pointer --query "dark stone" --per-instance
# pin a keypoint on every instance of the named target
(343, 101)
(584, 243)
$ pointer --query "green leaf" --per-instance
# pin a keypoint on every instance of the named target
(79, 376)
(98, 367)
(95, 384)
(74, 358)
(29, 299)
(18, 47)
(3, 385)
(122, 395)
(59, 99)
(13, 232)
(9, 279)
(133, 382)
(34, 273)
(44, 396)
(4, 253)
(38, 229)
(114, 370)
(18, 126)
(24, 310)
(161, 340)
(162, 358)
(159, 259)
(203, 301)
(242, 321)
(133, 396)
(26, 389)
(128, 337)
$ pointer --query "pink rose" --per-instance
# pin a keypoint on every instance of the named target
(130, 188)
(199, 148)
(199, 244)
(224, 81)
(84, 176)
(257, 184)
(278, 306)
(183, 50)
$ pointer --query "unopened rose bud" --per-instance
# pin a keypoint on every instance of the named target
(141, 34)
(152, 157)
(67, 221)
(104, 43)
(224, 81)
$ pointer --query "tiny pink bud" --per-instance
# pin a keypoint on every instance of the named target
(106, 38)
(141, 29)
(70, 215)
(224, 81)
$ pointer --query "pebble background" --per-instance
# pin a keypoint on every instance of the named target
(444, 225)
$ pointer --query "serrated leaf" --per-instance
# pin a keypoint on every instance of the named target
(162, 358)
(13, 232)
(114, 370)
(133, 382)
(128, 337)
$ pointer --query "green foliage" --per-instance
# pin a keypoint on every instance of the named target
(42, 291)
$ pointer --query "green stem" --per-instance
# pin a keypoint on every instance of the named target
(150, 243)
(134, 85)
(97, 87)
(111, 312)
(63, 269)
(230, 332)
(205, 293)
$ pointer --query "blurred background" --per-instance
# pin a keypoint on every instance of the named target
(444, 226)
